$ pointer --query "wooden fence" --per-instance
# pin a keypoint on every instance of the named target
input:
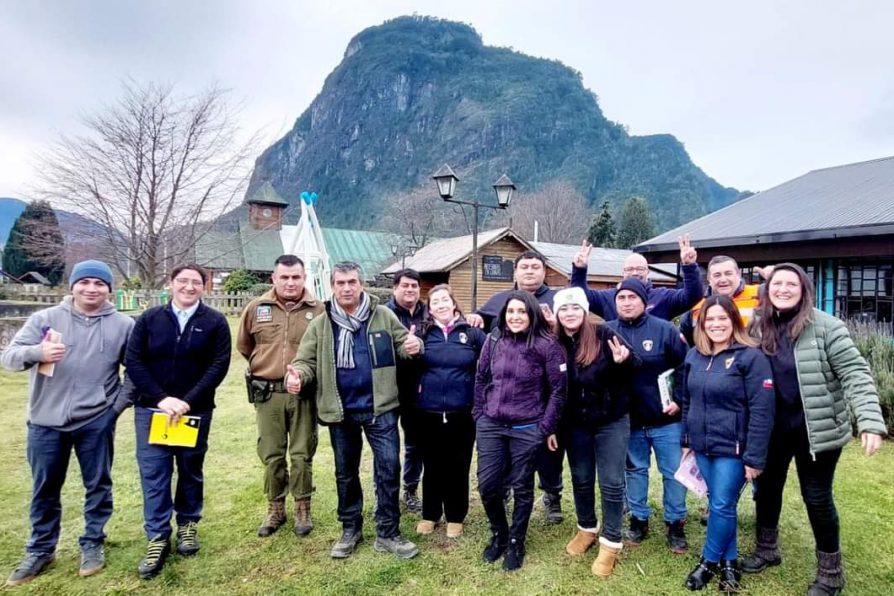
(230, 304)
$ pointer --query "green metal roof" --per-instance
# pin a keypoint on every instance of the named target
(266, 195)
(219, 250)
(260, 248)
(372, 250)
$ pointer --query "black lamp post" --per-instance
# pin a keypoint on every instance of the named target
(404, 251)
(447, 180)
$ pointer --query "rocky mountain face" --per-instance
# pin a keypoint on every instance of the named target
(417, 92)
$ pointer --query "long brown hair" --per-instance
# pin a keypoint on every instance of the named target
(588, 345)
(766, 324)
(703, 343)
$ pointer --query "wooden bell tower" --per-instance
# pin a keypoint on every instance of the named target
(265, 208)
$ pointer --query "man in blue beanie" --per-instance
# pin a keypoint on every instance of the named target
(73, 351)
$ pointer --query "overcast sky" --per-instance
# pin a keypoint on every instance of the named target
(759, 92)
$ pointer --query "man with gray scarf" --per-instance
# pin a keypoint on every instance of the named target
(351, 354)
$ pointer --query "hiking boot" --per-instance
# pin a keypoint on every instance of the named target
(699, 577)
(93, 559)
(344, 546)
(515, 555)
(552, 505)
(303, 522)
(581, 542)
(425, 527)
(730, 576)
(188, 539)
(398, 546)
(157, 552)
(829, 575)
(454, 530)
(637, 532)
(607, 559)
(412, 501)
(676, 537)
(31, 566)
(496, 548)
(766, 553)
(276, 516)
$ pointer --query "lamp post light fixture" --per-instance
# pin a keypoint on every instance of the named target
(446, 180)
(404, 251)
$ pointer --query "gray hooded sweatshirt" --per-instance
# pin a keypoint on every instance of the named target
(86, 382)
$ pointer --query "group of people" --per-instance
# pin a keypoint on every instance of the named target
(753, 378)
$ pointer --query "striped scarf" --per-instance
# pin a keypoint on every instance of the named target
(347, 327)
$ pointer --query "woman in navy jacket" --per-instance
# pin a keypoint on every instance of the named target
(728, 407)
(595, 425)
(444, 406)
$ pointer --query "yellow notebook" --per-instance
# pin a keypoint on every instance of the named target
(184, 433)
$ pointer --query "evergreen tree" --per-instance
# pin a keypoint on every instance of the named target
(636, 223)
(602, 229)
(35, 244)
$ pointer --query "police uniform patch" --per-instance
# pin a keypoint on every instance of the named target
(264, 314)
(463, 338)
(729, 361)
(308, 315)
(647, 345)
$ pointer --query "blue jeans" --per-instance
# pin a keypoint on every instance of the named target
(601, 449)
(49, 451)
(156, 463)
(665, 441)
(725, 477)
(347, 446)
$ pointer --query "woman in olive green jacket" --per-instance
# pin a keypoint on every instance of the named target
(818, 374)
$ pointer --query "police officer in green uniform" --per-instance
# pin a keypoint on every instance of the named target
(271, 328)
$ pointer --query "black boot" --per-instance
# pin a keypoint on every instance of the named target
(496, 548)
(515, 554)
(676, 537)
(766, 554)
(701, 575)
(730, 576)
(829, 575)
(637, 531)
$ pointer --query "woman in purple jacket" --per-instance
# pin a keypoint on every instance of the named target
(519, 394)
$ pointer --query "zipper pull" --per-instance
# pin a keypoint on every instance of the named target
(737, 447)
(445, 417)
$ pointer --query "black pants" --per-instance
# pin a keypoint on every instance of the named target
(549, 468)
(446, 442)
(412, 465)
(506, 459)
(816, 478)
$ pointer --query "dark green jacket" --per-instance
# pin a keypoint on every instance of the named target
(832, 375)
(315, 361)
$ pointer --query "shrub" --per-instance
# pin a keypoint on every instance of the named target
(259, 288)
(876, 343)
(239, 280)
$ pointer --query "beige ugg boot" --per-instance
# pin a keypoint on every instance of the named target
(581, 542)
(607, 558)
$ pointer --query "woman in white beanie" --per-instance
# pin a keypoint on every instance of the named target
(596, 425)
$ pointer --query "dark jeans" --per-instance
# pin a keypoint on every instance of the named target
(725, 477)
(549, 468)
(412, 466)
(447, 441)
(347, 446)
(49, 451)
(816, 478)
(506, 460)
(603, 449)
(156, 463)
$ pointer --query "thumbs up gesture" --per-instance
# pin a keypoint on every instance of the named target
(413, 345)
(293, 380)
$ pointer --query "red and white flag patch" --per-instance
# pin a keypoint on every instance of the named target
(768, 383)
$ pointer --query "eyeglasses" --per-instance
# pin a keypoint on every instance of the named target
(635, 269)
(184, 281)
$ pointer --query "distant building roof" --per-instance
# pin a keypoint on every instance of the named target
(447, 253)
(219, 250)
(266, 195)
(843, 201)
(38, 277)
(371, 250)
(604, 262)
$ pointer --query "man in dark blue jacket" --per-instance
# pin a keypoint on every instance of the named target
(176, 357)
(410, 310)
(664, 303)
(654, 426)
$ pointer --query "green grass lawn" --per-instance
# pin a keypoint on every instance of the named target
(234, 560)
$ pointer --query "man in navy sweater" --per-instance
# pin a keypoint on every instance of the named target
(664, 303)
(653, 426)
(177, 356)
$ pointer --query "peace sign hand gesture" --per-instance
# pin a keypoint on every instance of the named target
(620, 352)
(688, 255)
(582, 258)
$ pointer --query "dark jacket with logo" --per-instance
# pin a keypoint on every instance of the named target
(728, 403)
(664, 303)
(490, 312)
(660, 347)
(518, 385)
(599, 392)
(448, 367)
(163, 362)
